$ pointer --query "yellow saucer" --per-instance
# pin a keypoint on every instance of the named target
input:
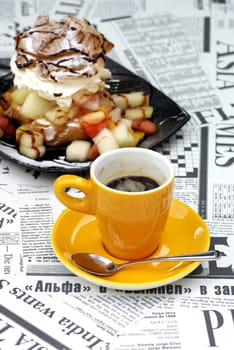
(185, 232)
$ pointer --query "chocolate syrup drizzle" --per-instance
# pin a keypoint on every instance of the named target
(60, 50)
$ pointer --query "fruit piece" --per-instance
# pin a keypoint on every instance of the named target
(6, 127)
(120, 101)
(137, 135)
(111, 125)
(86, 100)
(127, 122)
(93, 123)
(5, 101)
(30, 142)
(34, 106)
(19, 95)
(92, 130)
(28, 137)
(32, 152)
(123, 136)
(93, 152)
(78, 150)
(57, 115)
(93, 117)
(131, 100)
(139, 112)
(144, 125)
(105, 141)
(115, 115)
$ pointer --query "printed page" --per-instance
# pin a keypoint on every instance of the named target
(45, 306)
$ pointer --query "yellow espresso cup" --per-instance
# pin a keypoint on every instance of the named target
(130, 223)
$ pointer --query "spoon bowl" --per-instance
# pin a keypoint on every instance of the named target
(101, 266)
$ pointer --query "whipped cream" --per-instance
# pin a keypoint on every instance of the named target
(60, 92)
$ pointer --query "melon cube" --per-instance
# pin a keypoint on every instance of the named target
(34, 106)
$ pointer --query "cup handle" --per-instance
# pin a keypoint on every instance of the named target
(79, 204)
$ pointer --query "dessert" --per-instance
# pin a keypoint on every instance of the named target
(60, 96)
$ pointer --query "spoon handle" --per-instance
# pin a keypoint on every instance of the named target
(205, 256)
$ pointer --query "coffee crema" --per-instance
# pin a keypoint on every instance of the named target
(133, 183)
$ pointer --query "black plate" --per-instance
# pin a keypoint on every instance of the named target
(168, 116)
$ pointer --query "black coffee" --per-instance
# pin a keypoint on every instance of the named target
(133, 183)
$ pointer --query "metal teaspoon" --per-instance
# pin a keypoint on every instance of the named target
(101, 266)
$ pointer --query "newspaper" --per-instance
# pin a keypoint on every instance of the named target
(186, 50)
